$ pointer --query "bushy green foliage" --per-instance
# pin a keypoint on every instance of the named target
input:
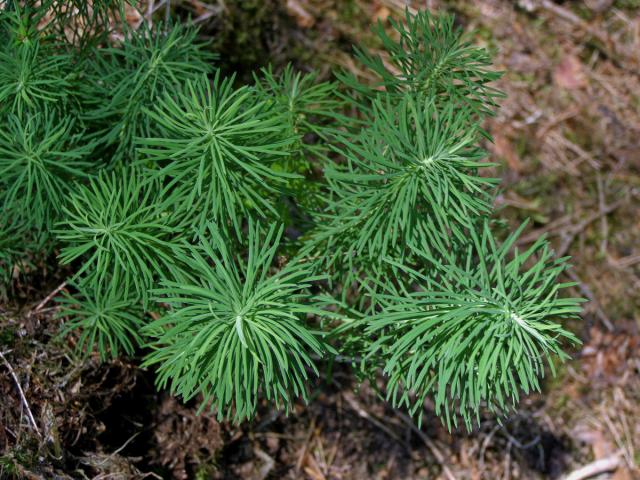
(125, 230)
(81, 23)
(235, 329)
(412, 173)
(268, 227)
(34, 73)
(107, 318)
(40, 158)
(431, 57)
(478, 331)
(124, 80)
(310, 106)
(217, 144)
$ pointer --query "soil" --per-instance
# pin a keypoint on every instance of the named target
(567, 139)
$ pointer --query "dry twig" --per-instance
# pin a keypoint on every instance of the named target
(353, 403)
(21, 392)
(48, 298)
(586, 291)
(430, 445)
(603, 465)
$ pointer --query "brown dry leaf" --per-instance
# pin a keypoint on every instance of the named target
(198, 7)
(602, 447)
(132, 14)
(569, 73)
(381, 14)
(312, 468)
(303, 18)
(314, 474)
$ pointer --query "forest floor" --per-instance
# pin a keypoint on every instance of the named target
(567, 139)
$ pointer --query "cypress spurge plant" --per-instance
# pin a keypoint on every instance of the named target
(430, 56)
(477, 332)
(122, 81)
(31, 78)
(124, 229)
(41, 156)
(217, 144)
(235, 330)
(411, 174)
(310, 107)
(264, 230)
(107, 318)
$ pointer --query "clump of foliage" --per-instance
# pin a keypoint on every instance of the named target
(238, 236)
(217, 145)
(478, 330)
(106, 317)
(124, 228)
(40, 158)
(123, 81)
(258, 341)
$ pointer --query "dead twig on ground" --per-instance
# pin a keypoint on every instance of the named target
(604, 225)
(570, 232)
(582, 154)
(603, 465)
(305, 446)
(604, 44)
(429, 444)
(579, 227)
(23, 399)
(268, 465)
(586, 291)
(48, 298)
(353, 403)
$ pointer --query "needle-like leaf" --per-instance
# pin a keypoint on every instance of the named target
(479, 333)
(124, 229)
(218, 144)
(235, 329)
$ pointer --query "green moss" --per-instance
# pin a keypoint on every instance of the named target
(206, 470)
(15, 461)
(7, 337)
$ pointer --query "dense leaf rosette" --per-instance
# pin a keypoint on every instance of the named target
(218, 145)
(477, 333)
(105, 318)
(40, 158)
(236, 329)
(124, 229)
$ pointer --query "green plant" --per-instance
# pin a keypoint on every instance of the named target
(124, 229)
(266, 230)
(478, 331)
(431, 57)
(121, 82)
(217, 144)
(107, 318)
(235, 329)
(41, 156)
(411, 174)
(311, 107)
(32, 76)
